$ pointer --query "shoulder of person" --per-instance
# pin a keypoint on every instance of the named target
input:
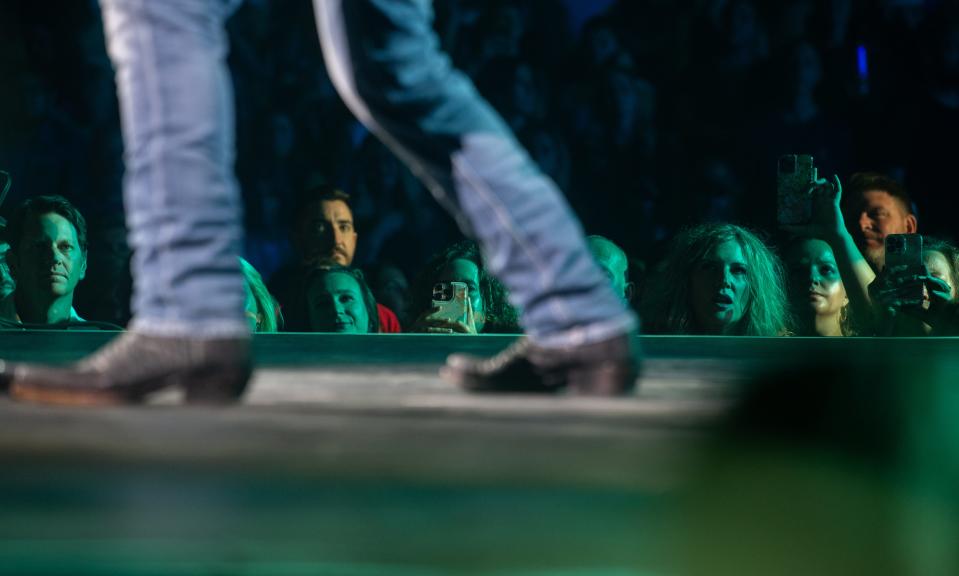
(389, 321)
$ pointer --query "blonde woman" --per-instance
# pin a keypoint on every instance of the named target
(718, 280)
(262, 311)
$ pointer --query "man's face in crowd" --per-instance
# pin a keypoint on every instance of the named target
(336, 305)
(49, 261)
(7, 283)
(327, 233)
(719, 288)
(880, 214)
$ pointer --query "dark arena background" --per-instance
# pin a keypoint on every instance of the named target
(742, 455)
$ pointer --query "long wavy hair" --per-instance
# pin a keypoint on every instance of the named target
(667, 308)
(501, 317)
(269, 316)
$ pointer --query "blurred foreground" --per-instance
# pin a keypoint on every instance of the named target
(350, 456)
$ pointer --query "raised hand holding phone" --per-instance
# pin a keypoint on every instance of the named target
(824, 220)
(451, 312)
(825, 215)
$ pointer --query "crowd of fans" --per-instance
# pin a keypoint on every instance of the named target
(716, 278)
(661, 121)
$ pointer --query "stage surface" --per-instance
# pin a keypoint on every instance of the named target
(349, 455)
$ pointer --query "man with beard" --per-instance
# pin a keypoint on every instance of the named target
(877, 206)
(185, 215)
(324, 234)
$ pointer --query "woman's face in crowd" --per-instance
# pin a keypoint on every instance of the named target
(938, 267)
(719, 288)
(814, 284)
(336, 305)
(467, 272)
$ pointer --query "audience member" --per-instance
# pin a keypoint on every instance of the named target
(622, 129)
(920, 302)
(490, 310)
(324, 228)
(338, 300)
(826, 240)
(718, 279)
(879, 206)
(817, 296)
(262, 309)
(48, 258)
(614, 262)
(942, 261)
(323, 234)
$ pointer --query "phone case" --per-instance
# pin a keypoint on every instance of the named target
(454, 309)
(794, 176)
(906, 250)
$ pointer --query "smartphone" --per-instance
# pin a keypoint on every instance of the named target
(450, 300)
(906, 250)
(795, 174)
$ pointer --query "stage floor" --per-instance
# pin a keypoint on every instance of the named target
(349, 455)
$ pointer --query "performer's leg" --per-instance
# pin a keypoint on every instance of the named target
(384, 59)
(182, 203)
(183, 212)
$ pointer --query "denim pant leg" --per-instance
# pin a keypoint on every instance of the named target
(384, 59)
(182, 204)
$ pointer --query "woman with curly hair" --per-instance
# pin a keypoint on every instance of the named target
(489, 307)
(718, 279)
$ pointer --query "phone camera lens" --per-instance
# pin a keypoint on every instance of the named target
(442, 292)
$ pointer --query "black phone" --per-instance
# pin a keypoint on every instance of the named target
(905, 251)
